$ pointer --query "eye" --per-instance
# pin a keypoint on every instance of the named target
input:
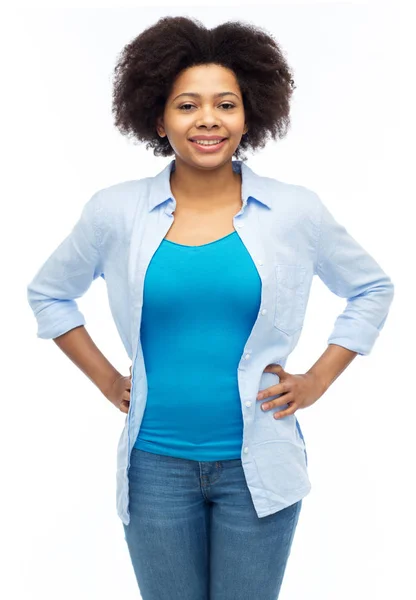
(223, 104)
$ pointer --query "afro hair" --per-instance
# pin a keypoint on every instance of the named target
(147, 67)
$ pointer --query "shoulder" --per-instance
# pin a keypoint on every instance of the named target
(112, 209)
(120, 200)
(122, 193)
(292, 198)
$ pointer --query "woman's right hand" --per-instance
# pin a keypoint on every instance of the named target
(119, 393)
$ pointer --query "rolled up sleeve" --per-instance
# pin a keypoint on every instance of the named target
(66, 275)
(351, 272)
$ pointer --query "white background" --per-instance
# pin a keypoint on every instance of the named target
(351, 140)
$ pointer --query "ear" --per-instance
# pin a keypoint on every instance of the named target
(160, 127)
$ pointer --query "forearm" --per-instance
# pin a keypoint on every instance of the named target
(80, 348)
(331, 364)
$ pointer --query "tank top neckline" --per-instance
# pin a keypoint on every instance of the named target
(201, 245)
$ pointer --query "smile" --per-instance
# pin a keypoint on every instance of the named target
(211, 147)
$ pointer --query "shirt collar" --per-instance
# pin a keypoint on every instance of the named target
(252, 186)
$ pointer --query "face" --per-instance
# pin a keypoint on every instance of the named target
(204, 100)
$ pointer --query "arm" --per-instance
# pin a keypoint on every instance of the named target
(331, 364)
(66, 275)
(350, 272)
(80, 348)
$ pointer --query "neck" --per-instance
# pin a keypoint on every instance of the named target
(205, 188)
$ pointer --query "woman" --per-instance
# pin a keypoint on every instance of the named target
(208, 269)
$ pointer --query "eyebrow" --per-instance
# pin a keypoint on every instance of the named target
(195, 95)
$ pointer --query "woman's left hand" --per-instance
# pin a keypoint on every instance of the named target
(299, 391)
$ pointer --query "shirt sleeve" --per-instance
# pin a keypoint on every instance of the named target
(66, 275)
(352, 273)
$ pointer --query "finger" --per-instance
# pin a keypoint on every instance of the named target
(274, 368)
(273, 390)
(285, 399)
(281, 414)
(124, 406)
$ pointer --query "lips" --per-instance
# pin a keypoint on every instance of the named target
(207, 139)
(209, 148)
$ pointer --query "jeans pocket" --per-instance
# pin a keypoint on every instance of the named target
(290, 298)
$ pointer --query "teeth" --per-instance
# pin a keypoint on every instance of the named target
(208, 142)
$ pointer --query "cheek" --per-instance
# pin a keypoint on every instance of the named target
(236, 122)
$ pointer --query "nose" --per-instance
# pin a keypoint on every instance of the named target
(208, 119)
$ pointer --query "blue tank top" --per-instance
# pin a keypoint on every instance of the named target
(199, 306)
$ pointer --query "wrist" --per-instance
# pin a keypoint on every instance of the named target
(319, 381)
(107, 381)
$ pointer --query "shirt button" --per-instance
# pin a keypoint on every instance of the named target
(247, 356)
(264, 311)
(259, 262)
(248, 403)
(246, 450)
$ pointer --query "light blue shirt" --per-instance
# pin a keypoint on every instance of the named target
(290, 236)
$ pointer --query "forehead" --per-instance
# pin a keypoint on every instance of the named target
(205, 80)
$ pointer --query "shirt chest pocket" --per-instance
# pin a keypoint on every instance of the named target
(290, 298)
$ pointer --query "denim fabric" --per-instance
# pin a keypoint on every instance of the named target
(194, 533)
(290, 235)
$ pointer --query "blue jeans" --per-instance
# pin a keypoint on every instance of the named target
(194, 533)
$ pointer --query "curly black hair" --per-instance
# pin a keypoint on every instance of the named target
(147, 67)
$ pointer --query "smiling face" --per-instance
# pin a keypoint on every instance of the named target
(205, 100)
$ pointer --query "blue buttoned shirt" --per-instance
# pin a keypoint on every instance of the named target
(290, 236)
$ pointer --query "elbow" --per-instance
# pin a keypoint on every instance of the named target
(388, 290)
